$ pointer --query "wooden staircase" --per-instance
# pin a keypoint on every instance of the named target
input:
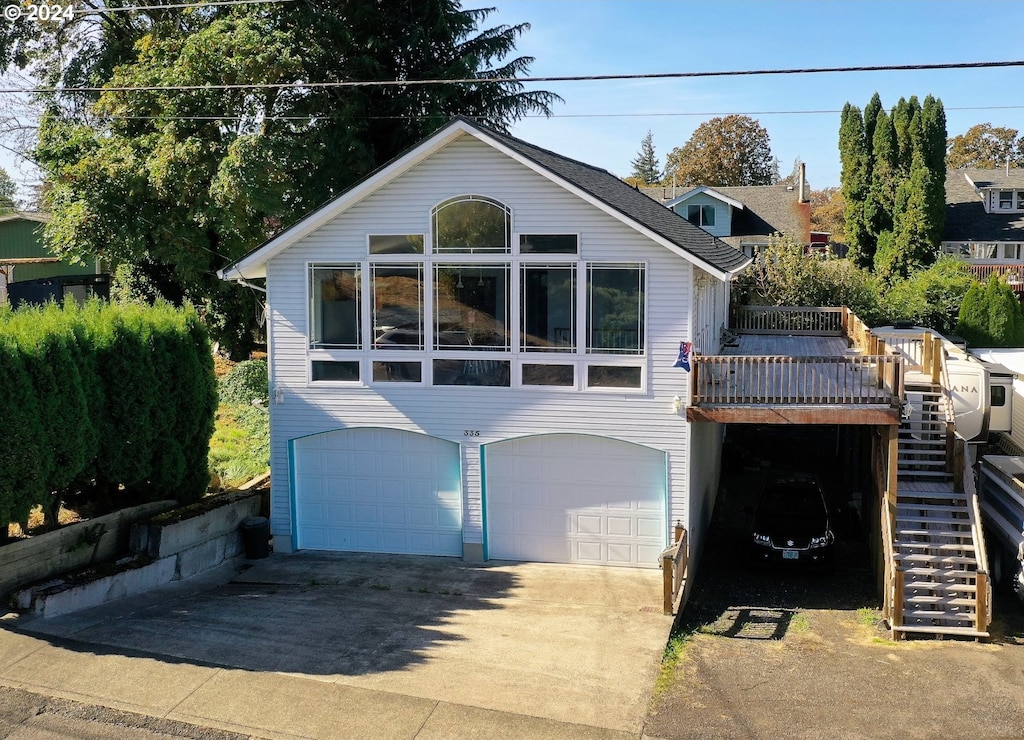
(935, 537)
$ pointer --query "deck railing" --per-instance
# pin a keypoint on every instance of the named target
(751, 379)
(674, 562)
(797, 320)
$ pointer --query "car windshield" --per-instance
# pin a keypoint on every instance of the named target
(792, 499)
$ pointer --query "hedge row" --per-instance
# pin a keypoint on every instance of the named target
(106, 399)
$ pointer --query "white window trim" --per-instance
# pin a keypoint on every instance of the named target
(580, 358)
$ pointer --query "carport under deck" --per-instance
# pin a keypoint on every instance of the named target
(797, 366)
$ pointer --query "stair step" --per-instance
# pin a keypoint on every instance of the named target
(946, 560)
(961, 546)
(940, 600)
(938, 508)
(923, 572)
(945, 493)
(934, 474)
(933, 614)
(936, 630)
(931, 452)
(942, 588)
(949, 534)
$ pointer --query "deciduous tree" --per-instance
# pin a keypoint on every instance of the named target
(734, 150)
(986, 146)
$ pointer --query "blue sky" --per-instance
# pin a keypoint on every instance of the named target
(588, 37)
(602, 123)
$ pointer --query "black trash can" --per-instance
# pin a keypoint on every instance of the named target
(256, 537)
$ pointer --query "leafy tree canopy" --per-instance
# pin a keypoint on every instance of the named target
(985, 146)
(8, 193)
(828, 212)
(734, 150)
(190, 179)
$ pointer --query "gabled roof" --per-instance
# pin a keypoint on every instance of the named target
(966, 219)
(1001, 178)
(598, 187)
(37, 216)
(706, 190)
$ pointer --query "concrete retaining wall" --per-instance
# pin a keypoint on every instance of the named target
(75, 546)
(170, 548)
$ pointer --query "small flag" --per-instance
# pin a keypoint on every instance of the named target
(683, 360)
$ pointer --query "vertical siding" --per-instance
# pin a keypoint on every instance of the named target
(538, 206)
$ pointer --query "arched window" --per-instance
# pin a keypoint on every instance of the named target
(472, 224)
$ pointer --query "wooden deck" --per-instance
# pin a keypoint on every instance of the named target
(800, 378)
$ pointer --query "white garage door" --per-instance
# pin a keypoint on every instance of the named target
(378, 490)
(572, 498)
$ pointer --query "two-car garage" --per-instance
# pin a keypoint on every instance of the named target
(563, 498)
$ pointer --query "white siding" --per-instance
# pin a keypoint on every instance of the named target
(477, 415)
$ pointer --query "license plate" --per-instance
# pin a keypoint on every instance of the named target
(790, 555)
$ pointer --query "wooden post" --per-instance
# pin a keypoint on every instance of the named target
(981, 602)
(667, 578)
(679, 531)
(897, 601)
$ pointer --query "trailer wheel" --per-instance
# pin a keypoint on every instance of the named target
(996, 567)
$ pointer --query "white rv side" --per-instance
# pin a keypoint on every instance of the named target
(1001, 490)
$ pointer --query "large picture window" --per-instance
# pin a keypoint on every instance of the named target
(615, 309)
(548, 308)
(471, 307)
(334, 307)
(397, 292)
(472, 224)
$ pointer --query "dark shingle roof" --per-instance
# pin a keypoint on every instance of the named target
(769, 209)
(966, 220)
(630, 202)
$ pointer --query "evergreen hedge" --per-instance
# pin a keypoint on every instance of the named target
(109, 401)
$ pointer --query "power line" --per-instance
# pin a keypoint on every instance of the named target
(521, 80)
(673, 114)
(177, 6)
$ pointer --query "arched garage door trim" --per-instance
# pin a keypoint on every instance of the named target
(553, 480)
(376, 489)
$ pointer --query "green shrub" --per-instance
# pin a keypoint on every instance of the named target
(247, 382)
(107, 402)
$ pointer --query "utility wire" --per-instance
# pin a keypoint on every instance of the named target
(521, 80)
(175, 6)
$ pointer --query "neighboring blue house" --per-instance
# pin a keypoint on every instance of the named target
(746, 217)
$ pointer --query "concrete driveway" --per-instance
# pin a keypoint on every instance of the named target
(571, 644)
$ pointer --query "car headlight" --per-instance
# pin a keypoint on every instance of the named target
(762, 539)
(824, 541)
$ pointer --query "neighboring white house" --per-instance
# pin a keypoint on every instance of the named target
(472, 353)
(985, 216)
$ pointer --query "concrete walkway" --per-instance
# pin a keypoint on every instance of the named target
(337, 645)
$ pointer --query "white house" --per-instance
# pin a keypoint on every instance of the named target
(472, 353)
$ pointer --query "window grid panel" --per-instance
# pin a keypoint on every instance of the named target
(472, 224)
(397, 306)
(547, 308)
(472, 303)
(615, 318)
(334, 309)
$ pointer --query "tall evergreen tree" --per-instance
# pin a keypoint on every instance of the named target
(878, 208)
(871, 111)
(646, 167)
(903, 115)
(854, 182)
(933, 125)
(911, 247)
